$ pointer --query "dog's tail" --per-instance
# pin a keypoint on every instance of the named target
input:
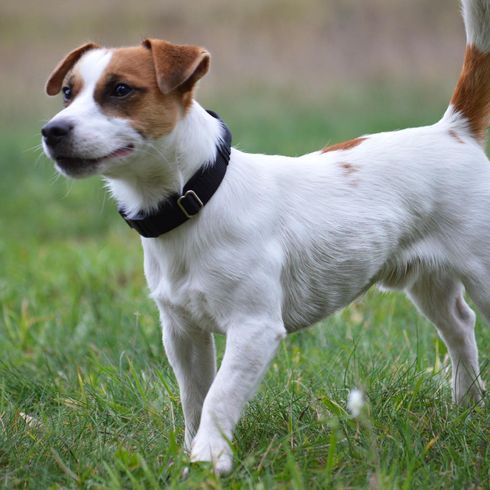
(471, 98)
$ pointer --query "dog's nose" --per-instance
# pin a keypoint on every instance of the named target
(56, 131)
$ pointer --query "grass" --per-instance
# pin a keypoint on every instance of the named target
(87, 399)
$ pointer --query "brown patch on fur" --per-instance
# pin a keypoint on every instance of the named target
(178, 66)
(75, 82)
(345, 145)
(150, 112)
(455, 135)
(348, 168)
(162, 76)
(472, 94)
(55, 80)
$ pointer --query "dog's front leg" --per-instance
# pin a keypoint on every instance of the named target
(191, 354)
(249, 349)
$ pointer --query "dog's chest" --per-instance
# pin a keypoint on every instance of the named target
(179, 289)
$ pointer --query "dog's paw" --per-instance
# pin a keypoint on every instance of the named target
(215, 450)
(469, 391)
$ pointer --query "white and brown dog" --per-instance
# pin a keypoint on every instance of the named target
(277, 243)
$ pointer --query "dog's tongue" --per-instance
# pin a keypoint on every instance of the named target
(121, 152)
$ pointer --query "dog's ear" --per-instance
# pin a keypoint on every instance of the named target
(55, 80)
(177, 66)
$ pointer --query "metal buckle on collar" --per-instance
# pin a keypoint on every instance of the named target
(189, 204)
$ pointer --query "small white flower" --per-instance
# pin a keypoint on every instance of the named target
(29, 420)
(355, 402)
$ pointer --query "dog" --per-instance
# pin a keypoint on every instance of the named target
(257, 246)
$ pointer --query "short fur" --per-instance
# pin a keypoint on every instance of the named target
(153, 113)
(344, 145)
(472, 95)
(284, 241)
(55, 80)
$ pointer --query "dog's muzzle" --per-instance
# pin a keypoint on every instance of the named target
(56, 132)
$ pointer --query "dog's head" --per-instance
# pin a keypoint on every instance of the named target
(117, 102)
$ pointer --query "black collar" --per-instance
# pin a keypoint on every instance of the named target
(179, 208)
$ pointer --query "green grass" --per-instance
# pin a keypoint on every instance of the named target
(81, 349)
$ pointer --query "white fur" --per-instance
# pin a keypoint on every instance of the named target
(285, 242)
(95, 134)
(476, 14)
(169, 163)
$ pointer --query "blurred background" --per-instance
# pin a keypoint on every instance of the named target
(308, 49)
(287, 76)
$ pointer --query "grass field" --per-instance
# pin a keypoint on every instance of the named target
(87, 399)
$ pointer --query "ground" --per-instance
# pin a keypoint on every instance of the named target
(87, 398)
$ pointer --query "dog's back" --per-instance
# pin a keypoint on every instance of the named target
(400, 204)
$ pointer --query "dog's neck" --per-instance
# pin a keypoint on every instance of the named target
(165, 165)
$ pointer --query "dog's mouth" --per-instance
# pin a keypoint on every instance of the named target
(73, 163)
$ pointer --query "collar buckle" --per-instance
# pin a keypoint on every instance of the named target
(190, 204)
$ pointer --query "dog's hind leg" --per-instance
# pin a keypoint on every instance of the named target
(440, 298)
(477, 283)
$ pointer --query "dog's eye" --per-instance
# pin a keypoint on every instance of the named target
(67, 93)
(121, 90)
